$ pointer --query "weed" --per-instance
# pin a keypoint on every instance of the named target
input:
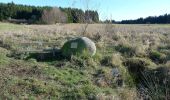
(157, 56)
(125, 50)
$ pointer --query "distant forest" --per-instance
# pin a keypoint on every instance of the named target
(50, 15)
(162, 19)
(47, 15)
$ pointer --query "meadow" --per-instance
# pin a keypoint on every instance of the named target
(140, 54)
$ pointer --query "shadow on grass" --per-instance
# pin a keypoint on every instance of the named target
(47, 56)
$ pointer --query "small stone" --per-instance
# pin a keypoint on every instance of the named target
(115, 72)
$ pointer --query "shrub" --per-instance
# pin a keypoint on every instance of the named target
(54, 15)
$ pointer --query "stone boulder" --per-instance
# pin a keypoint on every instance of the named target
(79, 46)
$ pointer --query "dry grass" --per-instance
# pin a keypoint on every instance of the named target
(116, 45)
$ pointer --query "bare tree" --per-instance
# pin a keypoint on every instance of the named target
(84, 28)
(54, 15)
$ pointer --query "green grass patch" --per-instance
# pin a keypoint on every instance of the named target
(10, 27)
(3, 58)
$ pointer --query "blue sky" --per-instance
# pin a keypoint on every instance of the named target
(109, 9)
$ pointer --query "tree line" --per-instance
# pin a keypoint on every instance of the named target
(46, 15)
(162, 19)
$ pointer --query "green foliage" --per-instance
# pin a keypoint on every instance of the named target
(33, 14)
(162, 19)
(73, 94)
(3, 58)
(91, 15)
(157, 56)
(11, 10)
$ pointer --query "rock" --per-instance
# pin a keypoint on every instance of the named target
(115, 72)
(79, 46)
(117, 76)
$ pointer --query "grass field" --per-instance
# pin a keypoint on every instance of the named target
(141, 53)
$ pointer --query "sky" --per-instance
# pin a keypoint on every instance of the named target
(108, 9)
